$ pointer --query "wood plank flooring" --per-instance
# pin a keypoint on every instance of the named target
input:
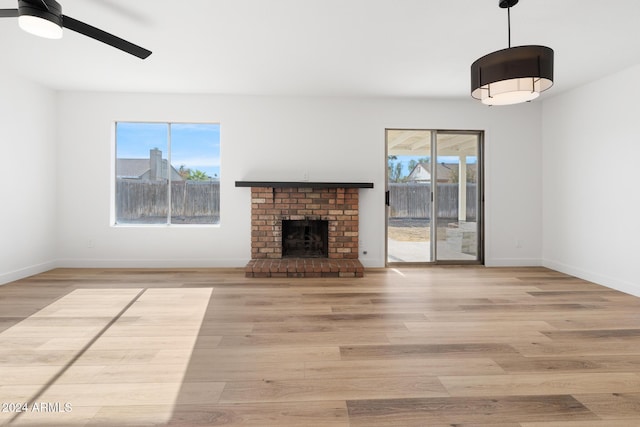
(441, 346)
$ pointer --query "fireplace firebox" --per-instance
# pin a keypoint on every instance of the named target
(306, 238)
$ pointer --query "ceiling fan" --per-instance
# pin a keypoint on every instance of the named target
(44, 18)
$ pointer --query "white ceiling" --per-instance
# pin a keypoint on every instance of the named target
(406, 48)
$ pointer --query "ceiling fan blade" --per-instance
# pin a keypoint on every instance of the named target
(104, 37)
(8, 13)
(44, 3)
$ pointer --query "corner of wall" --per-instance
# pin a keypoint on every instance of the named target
(12, 276)
(591, 276)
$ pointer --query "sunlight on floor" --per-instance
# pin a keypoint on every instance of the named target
(114, 339)
(395, 270)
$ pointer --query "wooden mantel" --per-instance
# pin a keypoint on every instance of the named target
(303, 184)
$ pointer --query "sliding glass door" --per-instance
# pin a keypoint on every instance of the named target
(434, 194)
(408, 196)
(456, 191)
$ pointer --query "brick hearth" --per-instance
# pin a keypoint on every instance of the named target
(304, 267)
(271, 205)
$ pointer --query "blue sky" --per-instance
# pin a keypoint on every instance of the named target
(196, 146)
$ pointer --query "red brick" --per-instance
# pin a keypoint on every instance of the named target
(289, 203)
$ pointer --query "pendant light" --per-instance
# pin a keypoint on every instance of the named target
(512, 75)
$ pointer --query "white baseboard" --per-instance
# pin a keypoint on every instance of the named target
(154, 263)
(371, 263)
(609, 282)
(513, 262)
(12, 276)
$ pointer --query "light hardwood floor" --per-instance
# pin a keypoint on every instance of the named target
(442, 346)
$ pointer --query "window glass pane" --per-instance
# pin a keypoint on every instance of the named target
(409, 186)
(195, 179)
(457, 215)
(149, 156)
(141, 173)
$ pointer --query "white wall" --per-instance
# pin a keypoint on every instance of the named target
(27, 178)
(266, 138)
(569, 201)
(591, 151)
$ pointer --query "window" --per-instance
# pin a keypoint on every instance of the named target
(167, 173)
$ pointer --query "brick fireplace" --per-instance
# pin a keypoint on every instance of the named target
(304, 203)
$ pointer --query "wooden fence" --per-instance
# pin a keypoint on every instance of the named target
(148, 199)
(191, 199)
(414, 201)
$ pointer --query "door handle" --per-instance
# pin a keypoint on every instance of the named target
(386, 197)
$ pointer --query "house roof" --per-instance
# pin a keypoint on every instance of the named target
(443, 170)
(132, 168)
(136, 168)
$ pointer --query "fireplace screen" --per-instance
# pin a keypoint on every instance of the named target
(305, 238)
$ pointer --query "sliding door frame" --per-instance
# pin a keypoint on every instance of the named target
(433, 208)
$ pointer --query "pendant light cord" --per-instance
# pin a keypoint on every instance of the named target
(509, 24)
